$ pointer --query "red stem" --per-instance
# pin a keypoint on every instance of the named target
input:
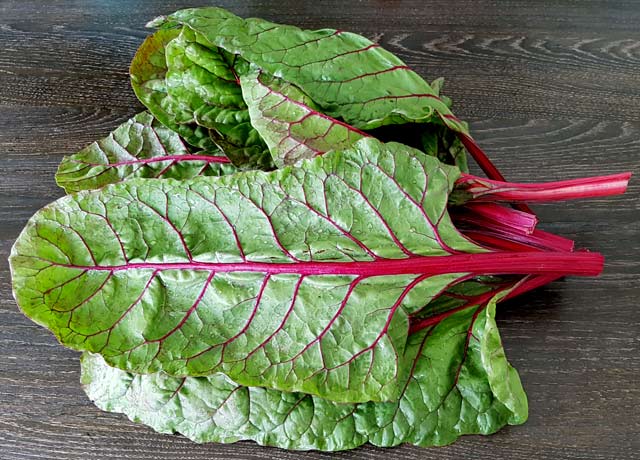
(497, 263)
(503, 228)
(496, 241)
(481, 158)
(553, 241)
(505, 239)
(486, 164)
(588, 187)
(492, 214)
(435, 319)
(530, 283)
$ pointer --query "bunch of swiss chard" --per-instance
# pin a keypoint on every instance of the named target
(288, 248)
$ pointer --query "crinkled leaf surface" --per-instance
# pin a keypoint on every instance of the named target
(460, 383)
(203, 85)
(140, 147)
(194, 91)
(289, 121)
(347, 75)
(148, 71)
(299, 280)
(334, 74)
(444, 144)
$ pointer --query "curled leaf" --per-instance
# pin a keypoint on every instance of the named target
(140, 147)
(148, 72)
(347, 75)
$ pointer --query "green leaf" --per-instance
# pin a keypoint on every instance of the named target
(503, 378)
(202, 104)
(455, 388)
(444, 144)
(215, 409)
(148, 71)
(347, 75)
(207, 75)
(289, 121)
(298, 280)
(203, 86)
(140, 147)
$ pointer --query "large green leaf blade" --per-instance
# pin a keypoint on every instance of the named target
(451, 391)
(347, 75)
(215, 409)
(250, 274)
(140, 147)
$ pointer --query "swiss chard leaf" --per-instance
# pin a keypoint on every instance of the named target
(295, 128)
(297, 280)
(203, 85)
(347, 75)
(460, 383)
(193, 91)
(140, 147)
(289, 121)
(148, 72)
(353, 80)
(301, 279)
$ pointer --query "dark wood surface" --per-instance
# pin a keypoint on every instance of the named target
(553, 91)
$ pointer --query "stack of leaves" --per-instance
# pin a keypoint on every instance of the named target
(346, 297)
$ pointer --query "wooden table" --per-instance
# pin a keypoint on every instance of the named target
(553, 91)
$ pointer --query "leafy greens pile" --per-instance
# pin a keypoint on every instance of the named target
(288, 248)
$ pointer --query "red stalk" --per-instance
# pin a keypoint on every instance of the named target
(500, 237)
(539, 239)
(496, 263)
(492, 214)
(588, 187)
(548, 241)
(530, 283)
(486, 164)
(507, 229)
(496, 241)
(481, 158)
(435, 319)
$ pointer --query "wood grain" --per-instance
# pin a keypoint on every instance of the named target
(552, 90)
